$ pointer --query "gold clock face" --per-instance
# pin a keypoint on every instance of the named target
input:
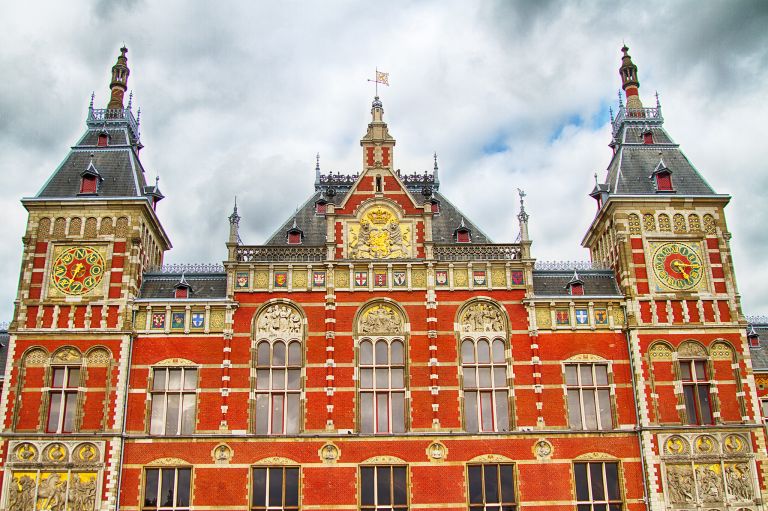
(677, 266)
(77, 270)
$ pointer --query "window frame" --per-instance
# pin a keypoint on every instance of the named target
(607, 502)
(181, 392)
(285, 392)
(64, 392)
(764, 410)
(383, 507)
(500, 504)
(160, 469)
(268, 506)
(375, 391)
(697, 385)
(595, 389)
(492, 365)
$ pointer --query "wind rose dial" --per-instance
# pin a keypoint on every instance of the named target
(77, 270)
(677, 266)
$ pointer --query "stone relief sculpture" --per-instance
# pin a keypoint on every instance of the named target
(379, 235)
(279, 318)
(22, 494)
(680, 484)
(381, 319)
(482, 317)
(739, 482)
(82, 495)
(709, 484)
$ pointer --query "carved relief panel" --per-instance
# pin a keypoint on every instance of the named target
(53, 475)
(279, 319)
(709, 471)
(379, 234)
(482, 317)
(381, 319)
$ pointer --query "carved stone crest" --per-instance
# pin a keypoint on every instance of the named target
(676, 446)
(381, 319)
(56, 453)
(67, 355)
(691, 349)
(26, 453)
(379, 235)
(86, 453)
(279, 318)
(482, 317)
(705, 444)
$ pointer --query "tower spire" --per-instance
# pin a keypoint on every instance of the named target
(629, 82)
(119, 83)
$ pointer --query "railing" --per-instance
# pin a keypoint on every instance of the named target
(637, 115)
(570, 265)
(100, 116)
(489, 252)
(4, 326)
(188, 268)
(281, 254)
(758, 320)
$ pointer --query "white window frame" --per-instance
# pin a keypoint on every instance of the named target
(493, 366)
(594, 388)
(271, 385)
(379, 392)
(160, 428)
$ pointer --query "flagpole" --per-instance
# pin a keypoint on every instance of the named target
(376, 80)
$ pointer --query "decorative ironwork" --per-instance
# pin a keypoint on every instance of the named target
(758, 319)
(4, 325)
(479, 252)
(571, 265)
(637, 116)
(415, 181)
(281, 254)
(338, 179)
(104, 116)
(189, 268)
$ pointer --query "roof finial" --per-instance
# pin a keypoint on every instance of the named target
(317, 162)
(522, 216)
(610, 111)
(629, 82)
(119, 83)
(130, 100)
(93, 95)
(621, 101)
(595, 178)
(157, 180)
(234, 224)
(658, 103)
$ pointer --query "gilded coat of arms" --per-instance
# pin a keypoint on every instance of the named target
(379, 235)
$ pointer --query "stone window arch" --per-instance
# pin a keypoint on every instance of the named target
(693, 369)
(278, 361)
(484, 362)
(382, 355)
(590, 394)
(64, 400)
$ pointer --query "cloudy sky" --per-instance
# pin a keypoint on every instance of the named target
(237, 97)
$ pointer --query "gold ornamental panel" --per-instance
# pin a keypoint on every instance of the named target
(460, 277)
(379, 234)
(380, 318)
(341, 278)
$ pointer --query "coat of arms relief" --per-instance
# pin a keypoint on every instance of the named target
(379, 235)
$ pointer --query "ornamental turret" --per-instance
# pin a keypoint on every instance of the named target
(629, 82)
(119, 82)
(377, 143)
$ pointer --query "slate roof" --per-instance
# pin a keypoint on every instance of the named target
(162, 286)
(313, 225)
(629, 172)
(596, 283)
(118, 163)
(759, 354)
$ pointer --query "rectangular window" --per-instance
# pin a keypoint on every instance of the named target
(764, 408)
(664, 182)
(696, 391)
(275, 488)
(597, 486)
(384, 488)
(62, 404)
(485, 386)
(278, 388)
(589, 396)
(88, 184)
(174, 401)
(167, 489)
(491, 487)
(382, 387)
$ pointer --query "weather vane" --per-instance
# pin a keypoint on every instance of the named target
(381, 78)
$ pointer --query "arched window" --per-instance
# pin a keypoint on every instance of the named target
(278, 362)
(64, 391)
(382, 370)
(484, 379)
(694, 374)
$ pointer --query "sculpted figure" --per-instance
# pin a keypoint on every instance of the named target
(50, 493)
(279, 318)
(709, 485)
(22, 495)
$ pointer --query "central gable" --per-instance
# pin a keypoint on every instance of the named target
(379, 231)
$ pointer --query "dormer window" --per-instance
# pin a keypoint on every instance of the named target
(89, 179)
(575, 286)
(182, 288)
(88, 184)
(435, 206)
(753, 337)
(462, 234)
(320, 207)
(662, 177)
(664, 181)
(647, 136)
(103, 140)
(295, 234)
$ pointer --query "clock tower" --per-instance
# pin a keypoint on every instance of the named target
(662, 228)
(91, 233)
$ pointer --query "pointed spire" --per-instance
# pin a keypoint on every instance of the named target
(93, 95)
(435, 177)
(234, 225)
(621, 101)
(119, 83)
(629, 82)
(610, 111)
(130, 100)
(522, 216)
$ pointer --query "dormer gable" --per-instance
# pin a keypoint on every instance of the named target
(294, 235)
(575, 286)
(662, 177)
(182, 289)
(462, 233)
(90, 178)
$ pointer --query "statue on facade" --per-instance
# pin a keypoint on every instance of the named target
(680, 484)
(482, 317)
(381, 319)
(279, 319)
(22, 494)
